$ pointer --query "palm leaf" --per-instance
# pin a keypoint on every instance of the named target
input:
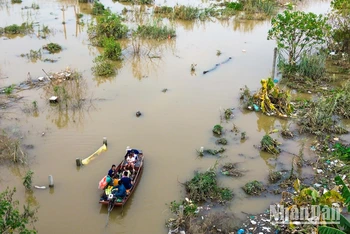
(345, 192)
(329, 230)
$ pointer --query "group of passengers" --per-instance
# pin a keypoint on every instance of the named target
(123, 176)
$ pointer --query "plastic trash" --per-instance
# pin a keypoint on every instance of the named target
(240, 231)
(256, 107)
(275, 81)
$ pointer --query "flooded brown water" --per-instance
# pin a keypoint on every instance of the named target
(172, 125)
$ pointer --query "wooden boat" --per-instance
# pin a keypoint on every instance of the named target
(136, 176)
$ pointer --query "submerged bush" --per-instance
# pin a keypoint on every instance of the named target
(103, 67)
(18, 29)
(203, 186)
(53, 48)
(98, 8)
(253, 188)
(155, 30)
(108, 25)
(238, 6)
(163, 10)
(217, 129)
(186, 12)
(112, 49)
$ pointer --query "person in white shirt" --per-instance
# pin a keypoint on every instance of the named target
(130, 161)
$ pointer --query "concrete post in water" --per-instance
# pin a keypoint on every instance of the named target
(105, 141)
(51, 181)
(78, 162)
(274, 63)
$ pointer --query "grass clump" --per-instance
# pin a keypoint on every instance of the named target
(19, 29)
(107, 25)
(217, 129)
(230, 169)
(270, 145)
(259, 9)
(341, 151)
(214, 151)
(238, 6)
(274, 176)
(203, 186)
(322, 115)
(33, 55)
(98, 8)
(221, 141)
(83, 1)
(28, 180)
(186, 12)
(163, 10)
(8, 90)
(228, 113)
(155, 30)
(52, 48)
(253, 188)
(10, 149)
(103, 67)
(16, 1)
(112, 49)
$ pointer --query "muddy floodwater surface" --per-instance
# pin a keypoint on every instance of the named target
(172, 126)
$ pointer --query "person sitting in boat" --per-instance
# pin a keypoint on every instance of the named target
(119, 191)
(127, 182)
(130, 162)
(112, 172)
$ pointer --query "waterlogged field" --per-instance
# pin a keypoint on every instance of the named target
(174, 122)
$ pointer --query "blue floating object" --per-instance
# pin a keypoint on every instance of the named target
(256, 108)
(275, 81)
(240, 231)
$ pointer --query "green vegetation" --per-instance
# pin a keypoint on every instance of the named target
(267, 7)
(107, 25)
(112, 49)
(16, 29)
(79, 15)
(203, 186)
(339, 19)
(253, 188)
(27, 180)
(189, 208)
(270, 145)
(52, 48)
(319, 116)
(155, 30)
(84, 1)
(12, 220)
(342, 151)
(16, 1)
(98, 8)
(274, 176)
(186, 12)
(35, 6)
(9, 89)
(238, 6)
(298, 32)
(103, 67)
(10, 149)
(217, 129)
(212, 151)
(221, 141)
(228, 113)
(163, 10)
(230, 169)
(270, 99)
(33, 55)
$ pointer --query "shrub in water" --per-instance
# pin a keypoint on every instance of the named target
(112, 50)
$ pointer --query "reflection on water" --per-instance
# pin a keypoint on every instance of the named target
(246, 25)
(265, 123)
